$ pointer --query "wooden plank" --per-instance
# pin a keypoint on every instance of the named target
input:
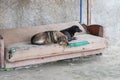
(36, 53)
(2, 57)
(51, 58)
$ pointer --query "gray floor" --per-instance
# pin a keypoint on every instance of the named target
(105, 67)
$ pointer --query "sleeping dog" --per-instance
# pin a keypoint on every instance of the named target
(69, 32)
(49, 37)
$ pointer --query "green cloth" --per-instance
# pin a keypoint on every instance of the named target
(77, 44)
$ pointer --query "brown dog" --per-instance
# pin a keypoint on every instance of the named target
(49, 37)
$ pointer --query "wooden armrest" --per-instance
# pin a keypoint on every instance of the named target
(2, 57)
(94, 29)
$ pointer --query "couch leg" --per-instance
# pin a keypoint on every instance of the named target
(99, 54)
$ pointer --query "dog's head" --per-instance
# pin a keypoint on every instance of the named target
(63, 41)
(75, 28)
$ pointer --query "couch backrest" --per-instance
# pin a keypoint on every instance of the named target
(24, 34)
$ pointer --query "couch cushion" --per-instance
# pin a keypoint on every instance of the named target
(27, 51)
(95, 42)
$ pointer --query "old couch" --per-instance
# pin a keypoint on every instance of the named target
(27, 54)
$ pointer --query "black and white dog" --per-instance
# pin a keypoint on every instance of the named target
(69, 32)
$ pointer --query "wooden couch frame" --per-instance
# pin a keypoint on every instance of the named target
(91, 29)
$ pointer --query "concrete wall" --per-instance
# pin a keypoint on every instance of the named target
(107, 13)
(22, 13)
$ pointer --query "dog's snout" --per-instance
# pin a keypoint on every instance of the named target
(78, 30)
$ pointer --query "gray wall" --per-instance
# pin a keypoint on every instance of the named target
(23, 13)
(107, 13)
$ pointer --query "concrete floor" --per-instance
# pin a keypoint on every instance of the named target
(105, 67)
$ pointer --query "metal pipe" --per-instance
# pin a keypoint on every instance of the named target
(88, 12)
(80, 11)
